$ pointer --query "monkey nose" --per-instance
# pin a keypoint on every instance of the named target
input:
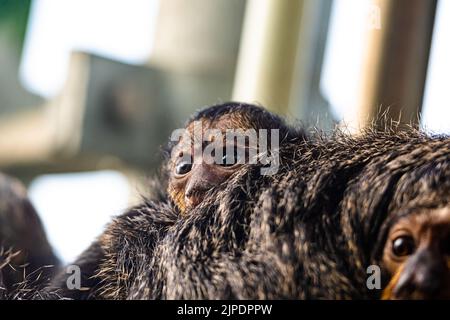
(422, 276)
(195, 192)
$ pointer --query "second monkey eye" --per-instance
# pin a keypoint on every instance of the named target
(183, 167)
(403, 246)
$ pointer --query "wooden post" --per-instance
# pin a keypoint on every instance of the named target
(395, 65)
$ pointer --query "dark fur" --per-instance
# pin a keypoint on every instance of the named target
(308, 232)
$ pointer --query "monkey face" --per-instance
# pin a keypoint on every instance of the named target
(417, 256)
(191, 181)
(195, 168)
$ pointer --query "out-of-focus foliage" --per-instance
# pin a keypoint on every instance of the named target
(13, 19)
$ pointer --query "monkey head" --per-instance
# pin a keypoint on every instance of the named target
(206, 154)
(417, 256)
(397, 214)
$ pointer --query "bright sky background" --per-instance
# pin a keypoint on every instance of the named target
(343, 60)
(436, 111)
(75, 207)
(343, 55)
(118, 29)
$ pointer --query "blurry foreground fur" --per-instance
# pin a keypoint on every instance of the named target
(25, 254)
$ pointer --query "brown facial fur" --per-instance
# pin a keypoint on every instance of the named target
(205, 175)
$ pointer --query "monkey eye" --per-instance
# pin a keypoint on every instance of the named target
(183, 167)
(403, 246)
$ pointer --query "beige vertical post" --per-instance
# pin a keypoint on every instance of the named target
(268, 52)
(395, 65)
(198, 36)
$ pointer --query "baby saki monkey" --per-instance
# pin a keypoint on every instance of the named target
(215, 143)
(417, 255)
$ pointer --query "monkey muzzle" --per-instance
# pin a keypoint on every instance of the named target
(424, 276)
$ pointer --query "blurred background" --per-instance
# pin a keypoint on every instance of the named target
(91, 89)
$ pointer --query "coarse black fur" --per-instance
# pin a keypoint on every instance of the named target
(308, 232)
(314, 230)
